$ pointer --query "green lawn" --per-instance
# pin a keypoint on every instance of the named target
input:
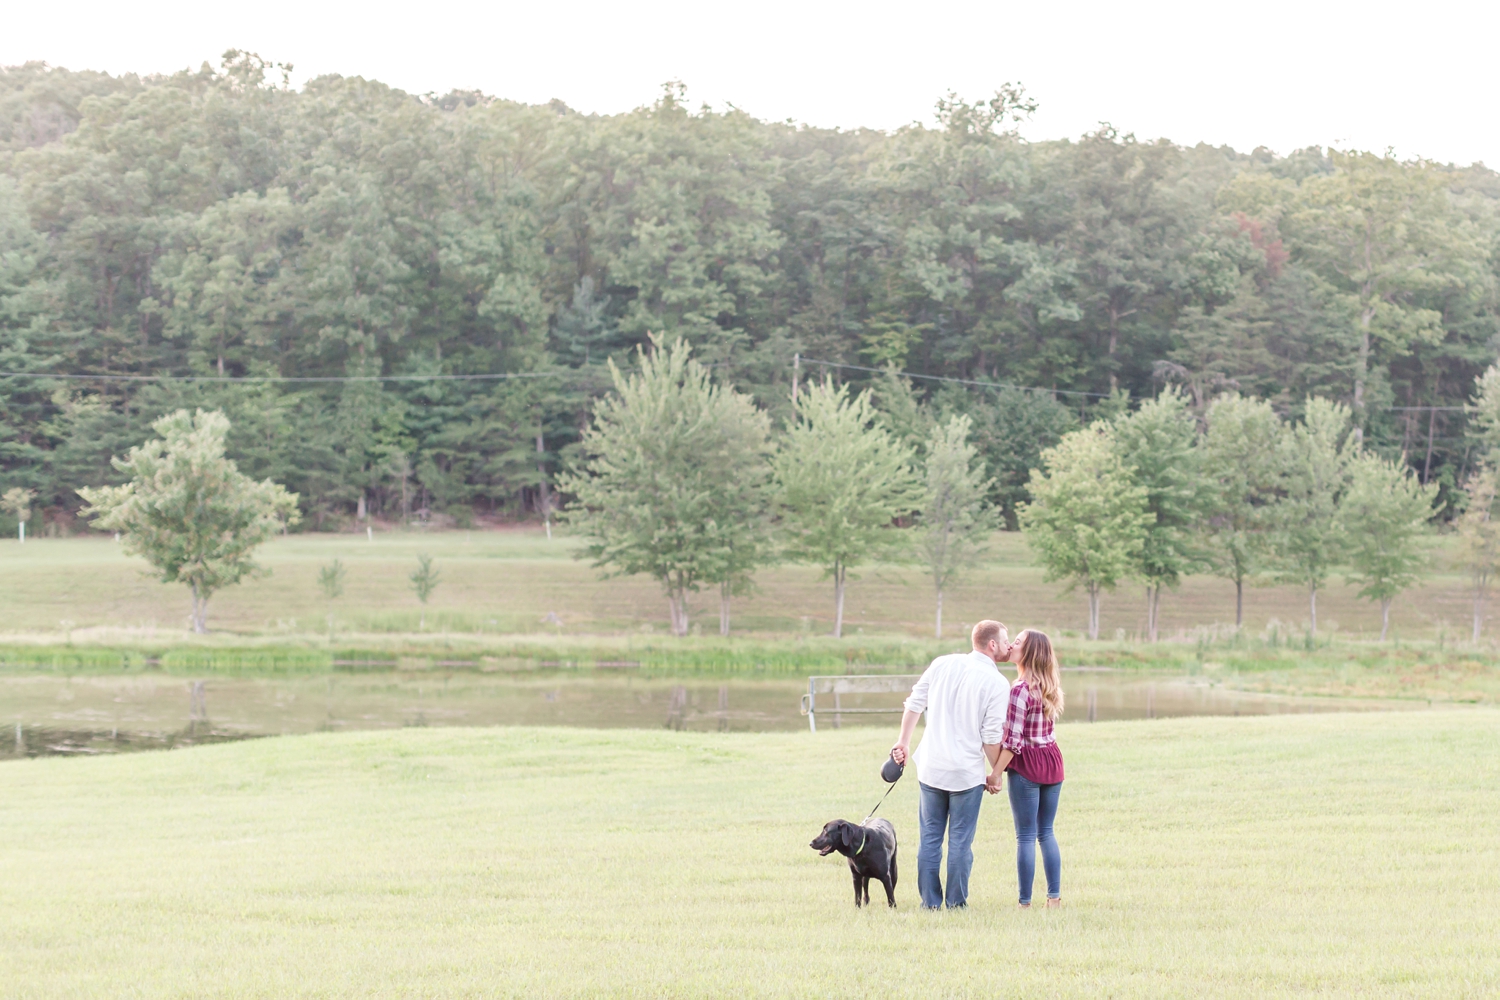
(1330, 855)
(509, 598)
(517, 582)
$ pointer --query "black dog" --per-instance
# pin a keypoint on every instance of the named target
(871, 851)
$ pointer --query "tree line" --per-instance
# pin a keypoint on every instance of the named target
(163, 236)
(684, 479)
(681, 479)
(1154, 495)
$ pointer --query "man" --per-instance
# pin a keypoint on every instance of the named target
(965, 697)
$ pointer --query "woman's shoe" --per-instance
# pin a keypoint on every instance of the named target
(1054, 904)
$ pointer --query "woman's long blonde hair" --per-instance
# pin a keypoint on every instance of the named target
(1042, 674)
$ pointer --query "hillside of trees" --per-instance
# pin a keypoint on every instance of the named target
(160, 237)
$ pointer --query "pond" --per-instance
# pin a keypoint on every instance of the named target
(50, 715)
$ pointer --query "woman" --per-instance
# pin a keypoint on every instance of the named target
(1029, 753)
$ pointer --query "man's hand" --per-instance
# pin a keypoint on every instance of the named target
(899, 753)
(994, 782)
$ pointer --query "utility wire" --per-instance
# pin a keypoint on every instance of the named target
(1060, 392)
(1424, 409)
(502, 376)
(959, 381)
(286, 378)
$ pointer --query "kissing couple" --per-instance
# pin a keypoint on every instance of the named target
(982, 732)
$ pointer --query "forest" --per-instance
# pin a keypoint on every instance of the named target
(406, 305)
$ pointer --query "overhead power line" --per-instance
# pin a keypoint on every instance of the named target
(502, 376)
(958, 381)
(1059, 392)
(1425, 409)
(284, 378)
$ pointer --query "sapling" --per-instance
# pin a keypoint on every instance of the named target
(331, 580)
(424, 581)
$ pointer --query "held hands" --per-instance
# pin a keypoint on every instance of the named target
(995, 782)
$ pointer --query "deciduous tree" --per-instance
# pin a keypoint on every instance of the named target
(1388, 237)
(956, 518)
(843, 483)
(189, 510)
(1314, 455)
(1384, 515)
(1240, 473)
(1157, 444)
(1088, 518)
(673, 480)
(1479, 538)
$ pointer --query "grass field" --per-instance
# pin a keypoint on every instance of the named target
(1309, 855)
(518, 582)
(514, 598)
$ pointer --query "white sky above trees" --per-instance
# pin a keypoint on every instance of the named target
(1418, 77)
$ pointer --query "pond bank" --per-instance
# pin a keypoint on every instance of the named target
(98, 713)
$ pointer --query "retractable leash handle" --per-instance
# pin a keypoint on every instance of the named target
(891, 773)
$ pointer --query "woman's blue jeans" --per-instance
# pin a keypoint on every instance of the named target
(1034, 807)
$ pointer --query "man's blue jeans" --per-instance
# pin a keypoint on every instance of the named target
(958, 813)
(1034, 807)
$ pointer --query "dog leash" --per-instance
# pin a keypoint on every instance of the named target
(888, 791)
(889, 788)
(870, 817)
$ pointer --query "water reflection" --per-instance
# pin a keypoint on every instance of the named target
(50, 741)
(110, 714)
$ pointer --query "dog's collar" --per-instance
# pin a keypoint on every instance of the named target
(862, 841)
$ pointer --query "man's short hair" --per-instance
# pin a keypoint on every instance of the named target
(985, 632)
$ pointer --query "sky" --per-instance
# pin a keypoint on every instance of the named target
(1418, 79)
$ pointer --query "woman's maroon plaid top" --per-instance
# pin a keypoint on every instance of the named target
(1028, 734)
